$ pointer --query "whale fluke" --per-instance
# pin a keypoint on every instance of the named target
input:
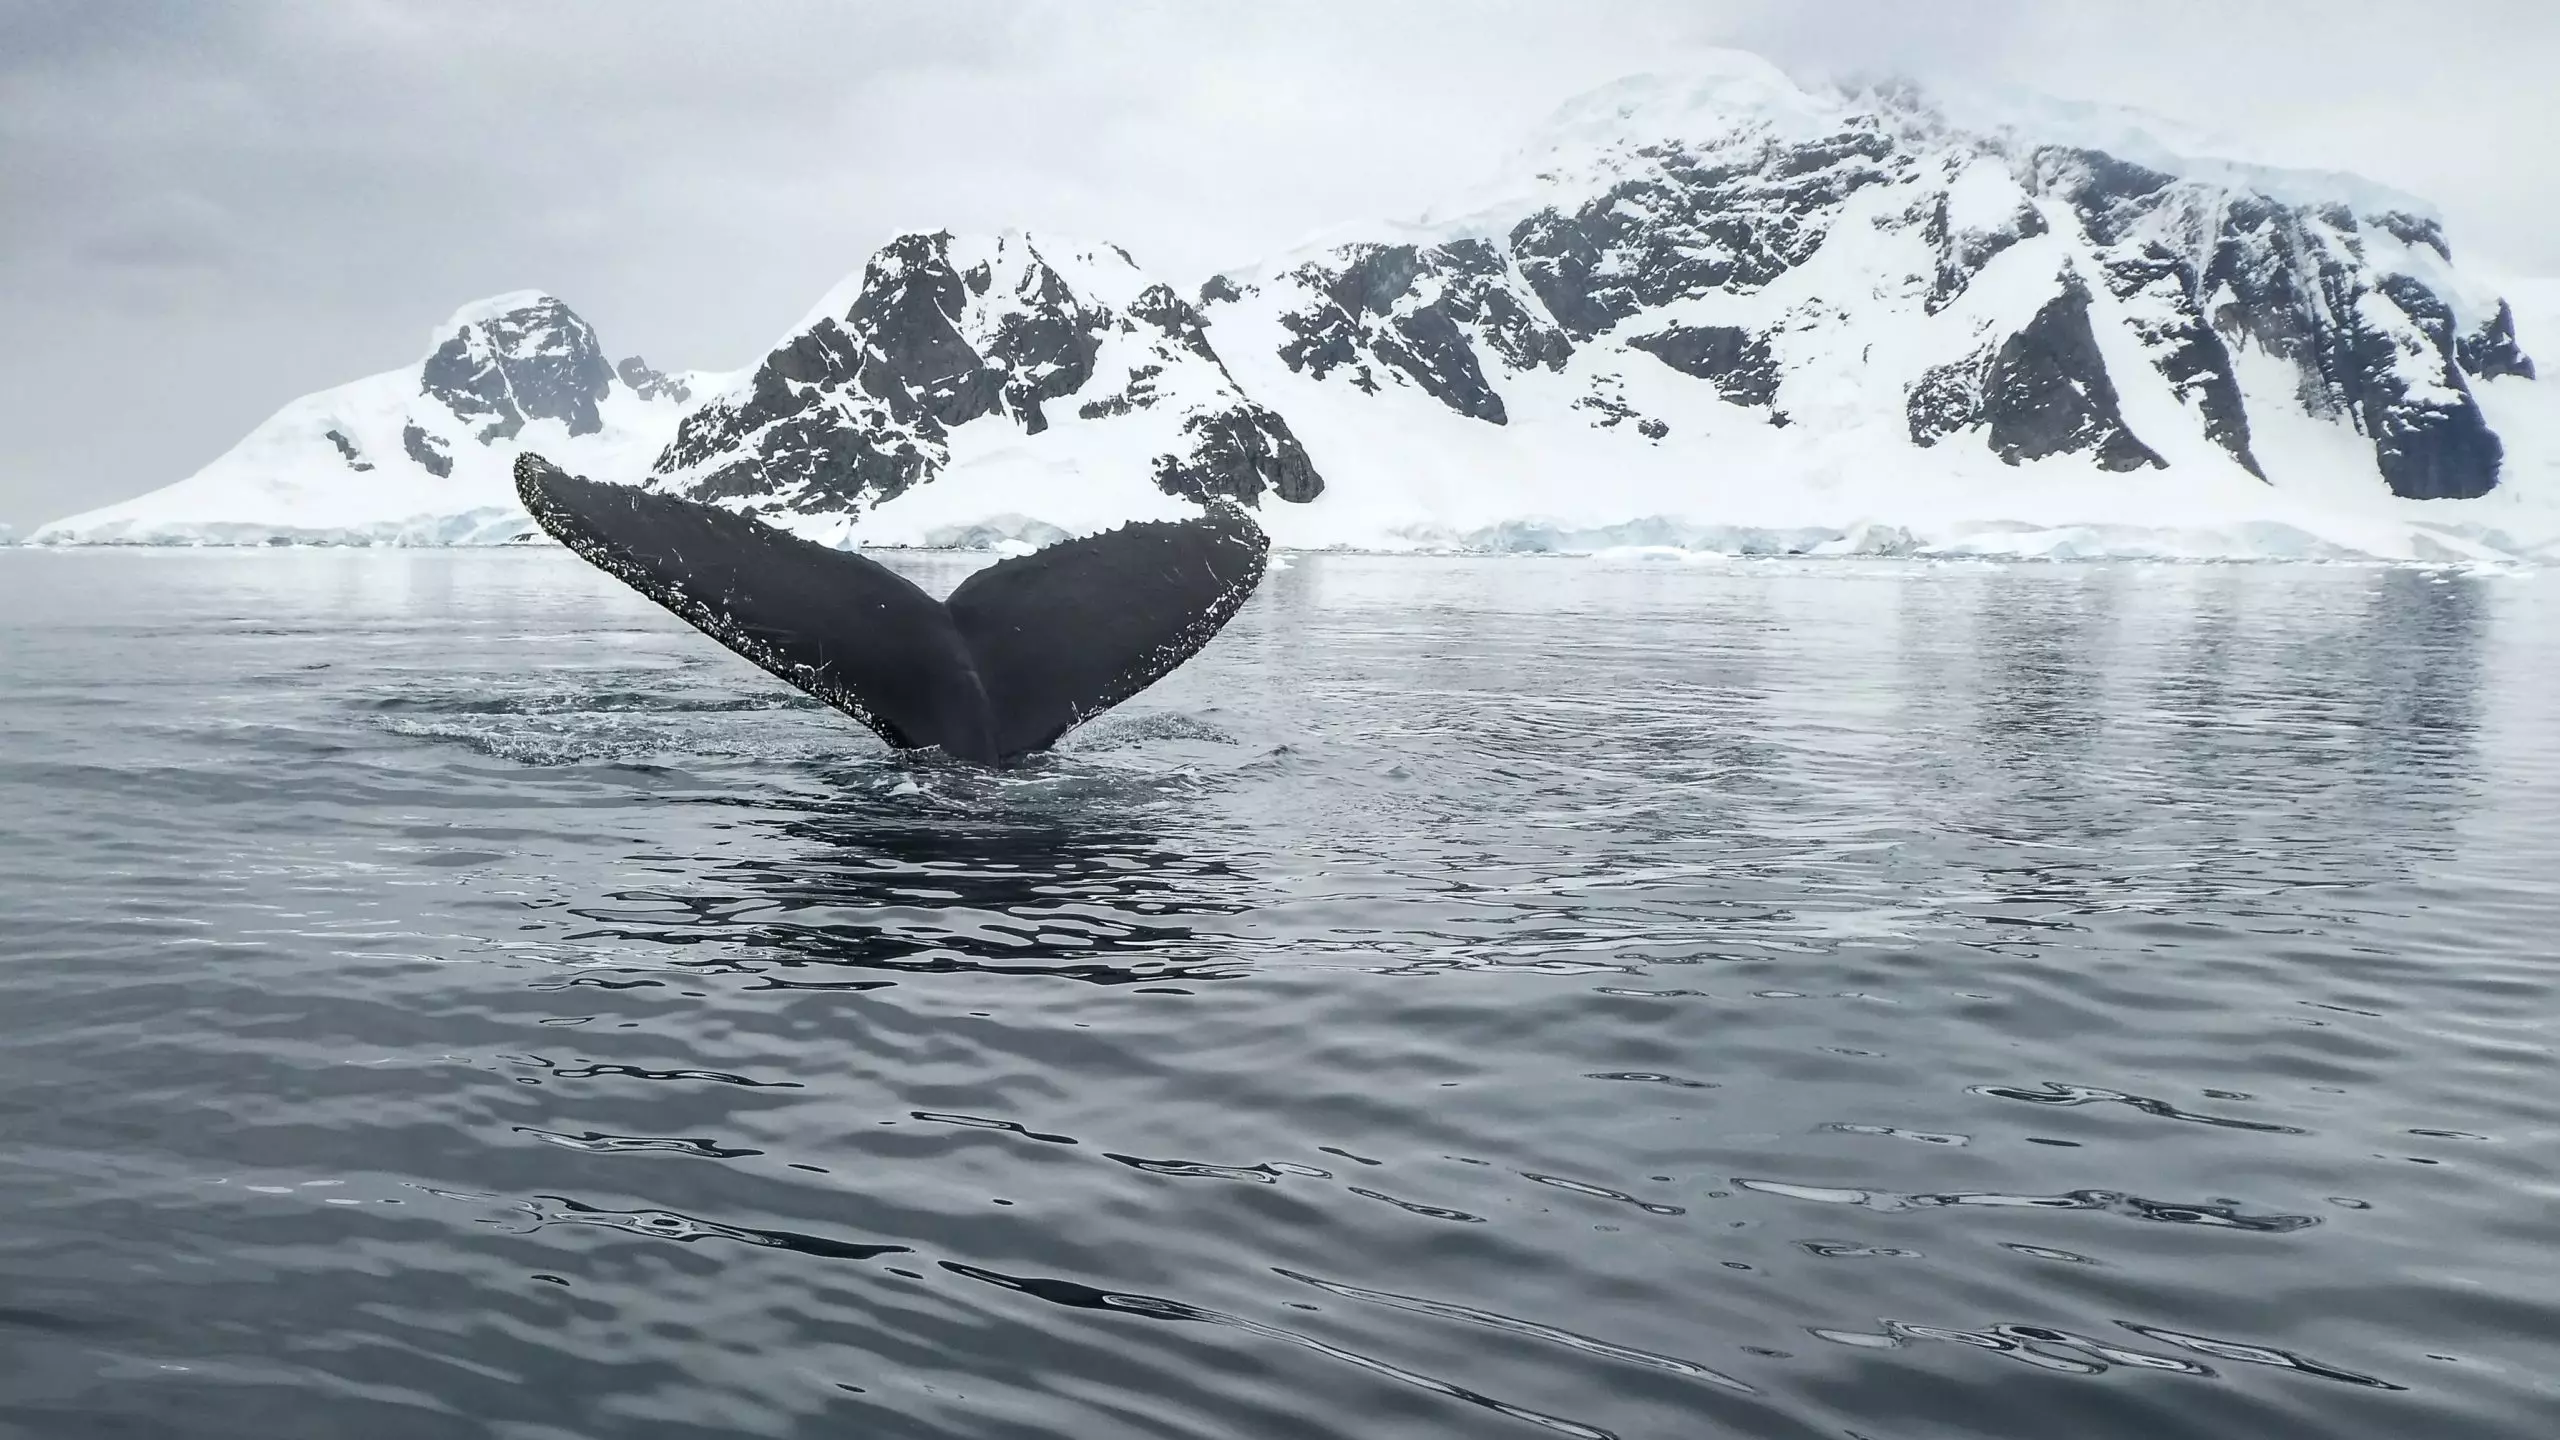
(1022, 652)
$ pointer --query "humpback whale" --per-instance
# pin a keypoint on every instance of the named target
(1022, 652)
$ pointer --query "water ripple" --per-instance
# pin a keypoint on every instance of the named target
(442, 986)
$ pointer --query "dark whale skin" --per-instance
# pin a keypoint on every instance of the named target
(1021, 653)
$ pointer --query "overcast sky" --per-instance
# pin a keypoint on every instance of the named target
(208, 209)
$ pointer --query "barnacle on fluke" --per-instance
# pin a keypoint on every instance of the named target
(1020, 653)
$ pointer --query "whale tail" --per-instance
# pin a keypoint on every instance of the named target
(1022, 652)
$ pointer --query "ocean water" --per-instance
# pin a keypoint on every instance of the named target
(440, 995)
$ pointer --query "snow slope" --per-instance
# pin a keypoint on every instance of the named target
(419, 455)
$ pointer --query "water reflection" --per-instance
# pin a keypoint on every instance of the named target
(1500, 996)
(851, 883)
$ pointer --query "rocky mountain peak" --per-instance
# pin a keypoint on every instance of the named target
(512, 358)
(941, 332)
(1877, 258)
(418, 455)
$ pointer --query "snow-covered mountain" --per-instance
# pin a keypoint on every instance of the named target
(419, 455)
(1729, 311)
(1718, 311)
(961, 390)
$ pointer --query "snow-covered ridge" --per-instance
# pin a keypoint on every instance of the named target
(959, 388)
(418, 455)
(1718, 311)
(1723, 304)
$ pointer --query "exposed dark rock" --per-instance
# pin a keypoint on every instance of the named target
(2047, 392)
(2447, 454)
(2491, 351)
(1946, 399)
(650, 384)
(1178, 318)
(914, 360)
(814, 462)
(536, 362)
(2043, 391)
(1694, 227)
(1219, 290)
(2299, 291)
(1046, 349)
(1962, 254)
(1239, 453)
(1612, 410)
(847, 410)
(2415, 230)
(347, 452)
(856, 409)
(472, 386)
(2196, 362)
(2294, 281)
(1422, 312)
(1323, 341)
(2428, 433)
(427, 450)
(1652, 429)
(1429, 346)
(2111, 195)
(2278, 278)
(1735, 360)
(1139, 395)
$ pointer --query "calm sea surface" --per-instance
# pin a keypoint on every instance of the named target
(440, 995)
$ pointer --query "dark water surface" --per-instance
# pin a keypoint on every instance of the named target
(442, 996)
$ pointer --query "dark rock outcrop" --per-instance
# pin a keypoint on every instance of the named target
(856, 407)
(1423, 312)
(2411, 229)
(2491, 352)
(1735, 360)
(2376, 351)
(536, 361)
(2043, 391)
(428, 450)
(650, 384)
(2047, 392)
(859, 407)
(1947, 398)
(2206, 271)
(2406, 390)
(1962, 254)
(347, 451)
(1694, 225)
(1239, 453)
(2197, 364)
